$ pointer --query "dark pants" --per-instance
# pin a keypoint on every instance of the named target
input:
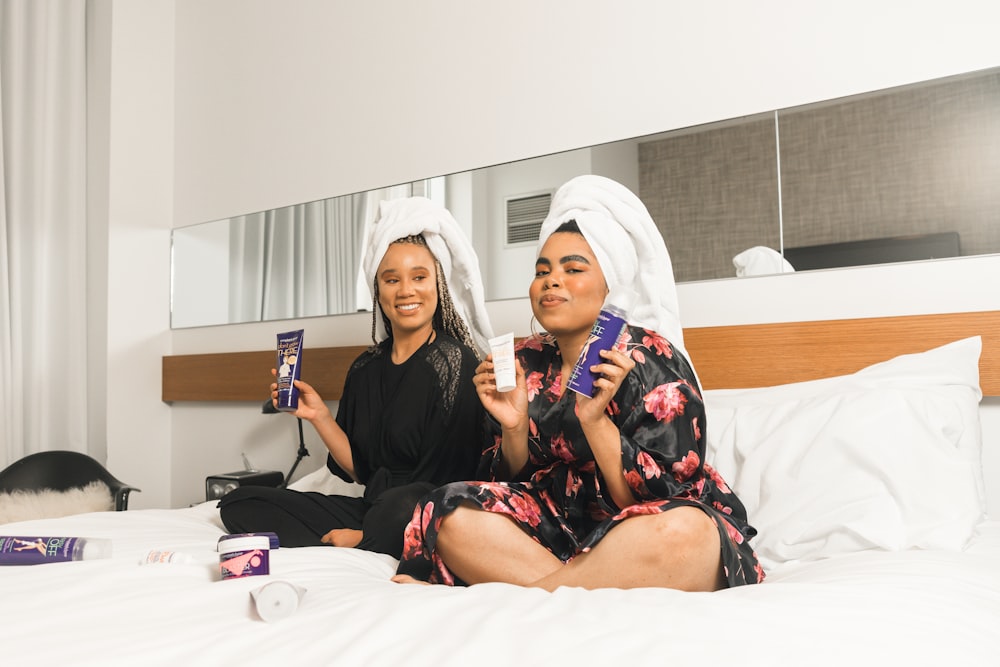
(301, 519)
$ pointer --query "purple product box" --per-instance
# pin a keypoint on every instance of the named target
(244, 556)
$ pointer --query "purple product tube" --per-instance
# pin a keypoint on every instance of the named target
(611, 323)
(37, 550)
(289, 369)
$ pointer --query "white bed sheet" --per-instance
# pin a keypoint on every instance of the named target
(913, 607)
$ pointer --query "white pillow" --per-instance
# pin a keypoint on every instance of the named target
(886, 458)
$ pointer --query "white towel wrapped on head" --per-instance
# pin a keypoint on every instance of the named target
(627, 244)
(760, 261)
(398, 218)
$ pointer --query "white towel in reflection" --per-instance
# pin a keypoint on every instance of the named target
(627, 244)
(760, 261)
(419, 215)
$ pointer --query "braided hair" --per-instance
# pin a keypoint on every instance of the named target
(446, 318)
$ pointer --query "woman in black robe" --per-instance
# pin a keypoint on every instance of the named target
(409, 419)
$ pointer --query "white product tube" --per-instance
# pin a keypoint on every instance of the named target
(502, 348)
(277, 600)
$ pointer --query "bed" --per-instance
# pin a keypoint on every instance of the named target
(867, 487)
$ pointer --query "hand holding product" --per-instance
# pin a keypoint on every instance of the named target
(504, 371)
(289, 369)
(607, 331)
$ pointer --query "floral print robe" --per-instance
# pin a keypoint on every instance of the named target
(559, 498)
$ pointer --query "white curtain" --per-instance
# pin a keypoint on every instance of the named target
(302, 260)
(43, 227)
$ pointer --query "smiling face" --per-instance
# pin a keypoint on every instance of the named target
(407, 288)
(569, 287)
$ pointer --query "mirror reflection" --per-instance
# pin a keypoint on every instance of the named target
(902, 174)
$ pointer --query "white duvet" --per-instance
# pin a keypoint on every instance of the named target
(915, 607)
(865, 489)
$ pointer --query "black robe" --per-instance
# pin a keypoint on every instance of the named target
(412, 427)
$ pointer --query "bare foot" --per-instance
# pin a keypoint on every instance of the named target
(407, 579)
(342, 537)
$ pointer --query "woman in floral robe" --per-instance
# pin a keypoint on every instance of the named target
(604, 491)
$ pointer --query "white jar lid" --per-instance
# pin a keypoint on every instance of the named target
(244, 543)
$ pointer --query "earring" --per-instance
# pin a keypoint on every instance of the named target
(532, 324)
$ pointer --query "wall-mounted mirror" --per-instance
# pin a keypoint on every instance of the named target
(904, 173)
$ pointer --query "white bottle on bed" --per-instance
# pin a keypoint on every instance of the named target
(157, 556)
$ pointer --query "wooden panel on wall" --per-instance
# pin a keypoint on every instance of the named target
(246, 376)
(739, 356)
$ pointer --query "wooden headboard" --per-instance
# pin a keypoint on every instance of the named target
(760, 355)
(756, 355)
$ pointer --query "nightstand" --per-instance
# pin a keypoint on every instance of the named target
(217, 486)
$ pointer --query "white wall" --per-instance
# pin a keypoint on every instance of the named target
(98, 193)
(200, 295)
(235, 106)
(139, 218)
(280, 104)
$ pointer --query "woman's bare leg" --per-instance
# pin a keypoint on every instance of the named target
(343, 537)
(676, 549)
(480, 546)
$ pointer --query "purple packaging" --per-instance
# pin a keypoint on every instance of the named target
(611, 323)
(244, 556)
(16, 550)
(289, 365)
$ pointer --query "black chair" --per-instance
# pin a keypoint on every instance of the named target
(61, 470)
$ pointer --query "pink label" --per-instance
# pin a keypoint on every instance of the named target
(235, 564)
